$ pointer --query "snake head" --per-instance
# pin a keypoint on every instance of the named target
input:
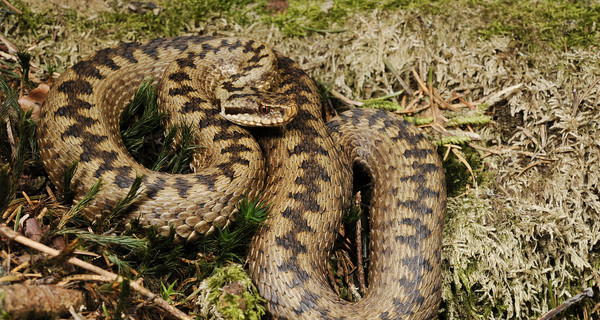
(258, 109)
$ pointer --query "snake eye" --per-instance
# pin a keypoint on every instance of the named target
(264, 109)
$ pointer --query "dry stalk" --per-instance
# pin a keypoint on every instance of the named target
(588, 292)
(7, 232)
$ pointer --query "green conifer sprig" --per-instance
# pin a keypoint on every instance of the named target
(230, 243)
(473, 120)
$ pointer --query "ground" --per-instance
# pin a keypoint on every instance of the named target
(522, 230)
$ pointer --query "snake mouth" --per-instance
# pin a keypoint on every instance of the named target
(263, 111)
(273, 118)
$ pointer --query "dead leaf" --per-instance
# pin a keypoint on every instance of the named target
(34, 100)
(278, 6)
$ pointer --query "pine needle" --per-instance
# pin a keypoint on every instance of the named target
(81, 204)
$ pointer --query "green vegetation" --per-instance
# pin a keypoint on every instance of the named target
(562, 24)
(532, 25)
(26, 146)
(230, 294)
(141, 131)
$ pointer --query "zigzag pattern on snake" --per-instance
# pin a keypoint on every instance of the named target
(296, 167)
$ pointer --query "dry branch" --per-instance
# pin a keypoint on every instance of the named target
(586, 293)
(7, 232)
(22, 301)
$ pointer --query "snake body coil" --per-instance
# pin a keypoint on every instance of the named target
(209, 80)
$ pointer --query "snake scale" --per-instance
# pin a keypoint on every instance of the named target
(298, 164)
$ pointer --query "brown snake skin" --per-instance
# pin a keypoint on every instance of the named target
(308, 178)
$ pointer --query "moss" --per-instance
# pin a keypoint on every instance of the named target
(531, 24)
(305, 16)
(230, 294)
(457, 174)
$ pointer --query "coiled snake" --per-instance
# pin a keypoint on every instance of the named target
(294, 165)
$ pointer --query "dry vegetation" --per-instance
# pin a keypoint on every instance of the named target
(525, 236)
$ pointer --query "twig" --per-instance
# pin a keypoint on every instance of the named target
(578, 102)
(346, 100)
(7, 232)
(532, 138)
(332, 280)
(397, 75)
(491, 98)
(466, 163)
(465, 102)
(533, 165)
(494, 151)
(421, 108)
(11, 47)
(11, 7)
(432, 93)
(359, 257)
(21, 300)
(588, 292)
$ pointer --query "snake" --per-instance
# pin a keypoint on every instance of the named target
(257, 117)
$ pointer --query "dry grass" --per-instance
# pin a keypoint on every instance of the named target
(527, 237)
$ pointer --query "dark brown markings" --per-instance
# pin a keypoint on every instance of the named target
(181, 91)
(226, 170)
(229, 87)
(315, 170)
(126, 51)
(236, 110)
(87, 69)
(182, 187)
(251, 67)
(300, 149)
(417, 153)
(192, 105)
(153, 188)
(75, 87)
(256, 58)
(334, 126)
(124, 170)
(426, 168)
(104, 58)
(300, 276)
(208, 47)
(425, 192)
(228, 135)
(309, 302)
(235, 158)
(385, 316)
(108, 157)
(374, 118)
(225, 44)
(412, 138)
(79, 129)
(299, 224)
(123, 182)
(207, 179)
(289, 242)
(391, 123)
(240, 95)
(179, 76)
(415, 206)
(182, 43)
(405, 308)
(417, 263)
(151, 48)
(248, 46)
(235, 149)
(421, 232)
(72, 131)
(187, 62)
(74, 105)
